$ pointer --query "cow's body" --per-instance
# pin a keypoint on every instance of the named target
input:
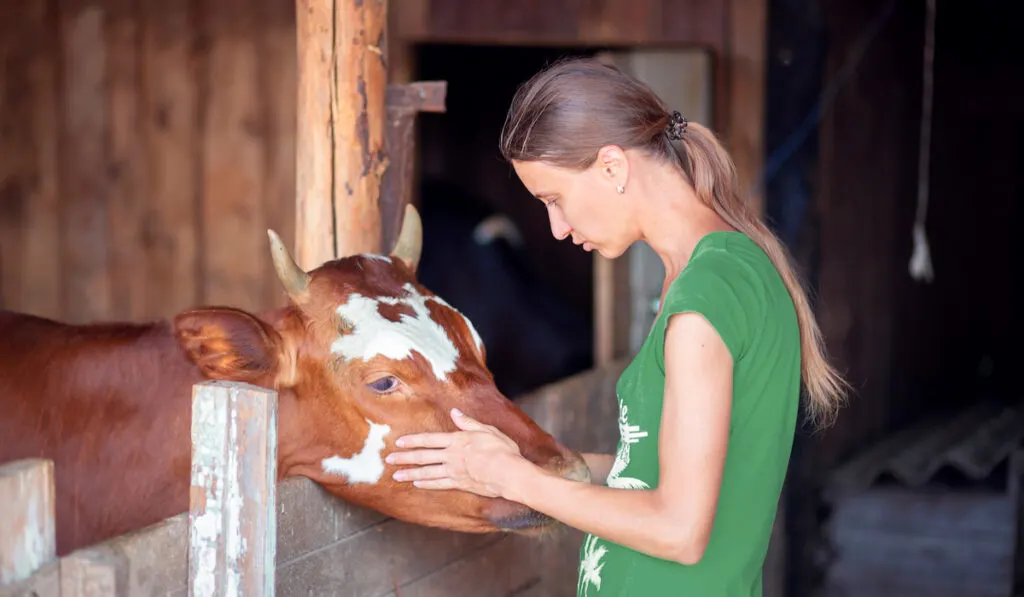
(110, 405)
(359, 357)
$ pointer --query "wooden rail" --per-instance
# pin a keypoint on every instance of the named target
(246, 534)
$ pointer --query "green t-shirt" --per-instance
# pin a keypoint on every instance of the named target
(733, 284)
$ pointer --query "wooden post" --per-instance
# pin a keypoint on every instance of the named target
(342, 81)
(404, 102)
(232, 517)
(28, 537)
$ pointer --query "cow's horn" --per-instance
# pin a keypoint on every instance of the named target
(410, 239)
(295, 281)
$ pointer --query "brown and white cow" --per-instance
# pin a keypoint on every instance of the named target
(361, 355)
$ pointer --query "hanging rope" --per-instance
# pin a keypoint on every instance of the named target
(920, 259)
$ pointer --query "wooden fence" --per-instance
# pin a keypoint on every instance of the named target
(240, 520)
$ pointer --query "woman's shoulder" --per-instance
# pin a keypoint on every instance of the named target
(724, 281)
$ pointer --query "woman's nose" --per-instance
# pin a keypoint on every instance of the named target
(560, 229)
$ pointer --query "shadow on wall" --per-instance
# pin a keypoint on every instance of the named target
(475, 259)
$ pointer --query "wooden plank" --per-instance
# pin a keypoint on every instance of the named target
(126, 168)
(635, 20)
(403, 103)
(564, 22)
(747, 43)
(233, 226)
(374, 561)
(31, 267)
(89, 293)
(232, 515)
(360, 81)
(14, 112)
(44, 583)
(314, 202)
(527, 19)
(505, 566)
(28, 537)
(605, 283)
(905, 542)
(278, 73)
(92, 574)
(171, 234)
(341, 124)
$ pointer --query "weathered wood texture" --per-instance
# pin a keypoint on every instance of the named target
(341, 117)
(734, 30)
(327, 547)
(917, 543)
(27, 533)
(145, 147)
(881, 326)
(232, 499)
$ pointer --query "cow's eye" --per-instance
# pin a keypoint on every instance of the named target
(384, 385)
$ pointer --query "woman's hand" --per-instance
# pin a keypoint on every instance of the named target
(479, 459)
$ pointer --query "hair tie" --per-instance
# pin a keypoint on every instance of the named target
(676, 126)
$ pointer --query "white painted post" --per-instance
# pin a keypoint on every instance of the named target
(232, 523)
(28, 538)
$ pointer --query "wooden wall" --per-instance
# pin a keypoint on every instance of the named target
(145, 148)
(911, 348)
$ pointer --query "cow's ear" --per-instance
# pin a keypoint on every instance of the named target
(228, 344)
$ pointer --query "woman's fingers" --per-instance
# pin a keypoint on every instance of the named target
(467, 423)
(436, 484)
(417, 457)
(423, 473)
(426, 440)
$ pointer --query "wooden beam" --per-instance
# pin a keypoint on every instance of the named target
(745, 68)
(27, 523)
(232, 513)
(340, 157)
(404, 102)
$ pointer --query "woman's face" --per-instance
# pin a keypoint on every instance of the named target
(583, 205)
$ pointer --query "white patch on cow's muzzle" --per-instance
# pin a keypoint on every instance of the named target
(367, 466)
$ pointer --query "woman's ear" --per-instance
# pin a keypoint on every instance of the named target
(614, 165)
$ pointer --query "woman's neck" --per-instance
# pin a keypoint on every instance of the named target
(672, 218)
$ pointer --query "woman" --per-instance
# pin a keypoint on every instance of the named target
(708, 406)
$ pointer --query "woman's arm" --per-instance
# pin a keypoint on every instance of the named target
(672, 521)
(600, 465)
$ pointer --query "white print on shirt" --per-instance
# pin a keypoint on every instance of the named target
(591, 563)
(590, 566)
(628, 435)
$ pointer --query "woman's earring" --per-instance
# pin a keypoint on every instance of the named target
(621, 189)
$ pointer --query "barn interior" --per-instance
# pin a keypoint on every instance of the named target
(546, 316)
(146, 146)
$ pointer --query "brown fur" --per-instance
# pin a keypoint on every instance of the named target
(110, 404)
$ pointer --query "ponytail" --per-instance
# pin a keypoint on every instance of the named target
(712, 173)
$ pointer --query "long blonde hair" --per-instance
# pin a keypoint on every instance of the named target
(568, 111)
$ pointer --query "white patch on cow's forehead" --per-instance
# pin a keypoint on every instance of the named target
(367, 466)
(377, 257)
(372, 335)
(469, 324)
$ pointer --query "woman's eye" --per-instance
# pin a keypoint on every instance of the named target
(384, 384)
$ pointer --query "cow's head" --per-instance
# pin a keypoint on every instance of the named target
(361, 356)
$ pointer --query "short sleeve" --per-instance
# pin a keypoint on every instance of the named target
(720, 290)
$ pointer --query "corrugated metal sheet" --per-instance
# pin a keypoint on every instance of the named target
(972, 441)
